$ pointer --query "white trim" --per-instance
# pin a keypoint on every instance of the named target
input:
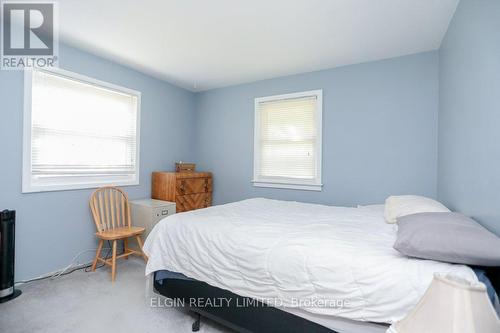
(28, 80)
(78, 186)
(85, 182)
(87, 80)
(290, 183)
(317, 93)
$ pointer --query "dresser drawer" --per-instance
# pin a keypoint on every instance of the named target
(189, 202)
(185, 186)
(190, 190)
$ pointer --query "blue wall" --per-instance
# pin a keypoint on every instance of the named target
(379, 132)
(53, 226)
(469, 117)
(379, 138)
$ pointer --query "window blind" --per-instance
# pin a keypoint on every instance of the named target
(288, 137)
(80, 129)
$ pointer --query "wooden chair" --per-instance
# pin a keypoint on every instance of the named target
(111, 212)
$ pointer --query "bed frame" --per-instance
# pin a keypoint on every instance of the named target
(253, 317)
(493, 274)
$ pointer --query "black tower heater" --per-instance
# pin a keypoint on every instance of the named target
(7, 237)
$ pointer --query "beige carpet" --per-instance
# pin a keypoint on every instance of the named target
(89, 302)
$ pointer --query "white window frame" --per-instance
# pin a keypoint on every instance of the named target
(284, 182)
(84, 182)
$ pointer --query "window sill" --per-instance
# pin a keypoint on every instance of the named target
(34, 188)
(288, 185)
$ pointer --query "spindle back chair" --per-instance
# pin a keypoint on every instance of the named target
(111, 212)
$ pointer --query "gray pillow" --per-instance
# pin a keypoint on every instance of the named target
(449, 237)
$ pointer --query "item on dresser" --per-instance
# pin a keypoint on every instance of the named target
(147, 212)
(189, 190)
(185, 167)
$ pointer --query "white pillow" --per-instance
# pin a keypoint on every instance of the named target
(402, 205)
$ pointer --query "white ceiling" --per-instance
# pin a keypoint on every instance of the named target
(205, 44)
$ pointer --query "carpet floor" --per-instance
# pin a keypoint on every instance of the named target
(89, 302)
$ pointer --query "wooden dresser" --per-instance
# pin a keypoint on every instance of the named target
(189, 190)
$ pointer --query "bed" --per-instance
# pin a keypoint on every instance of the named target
(333, 267)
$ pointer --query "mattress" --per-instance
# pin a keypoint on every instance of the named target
(305, 258)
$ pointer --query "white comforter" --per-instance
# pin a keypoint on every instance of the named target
(326, 260)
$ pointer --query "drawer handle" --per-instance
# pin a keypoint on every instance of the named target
(182, 188)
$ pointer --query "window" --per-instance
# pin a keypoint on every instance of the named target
(287, 147)
(78, 132)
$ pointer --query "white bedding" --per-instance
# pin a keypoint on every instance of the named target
(297, 255)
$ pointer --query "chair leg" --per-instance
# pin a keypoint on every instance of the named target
(97, 254)
(113, 262)
(139, 242)
(125, 246)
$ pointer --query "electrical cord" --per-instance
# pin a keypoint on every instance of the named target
(65, 270)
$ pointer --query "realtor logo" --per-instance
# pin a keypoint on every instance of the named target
(29, 34)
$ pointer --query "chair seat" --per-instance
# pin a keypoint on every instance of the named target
(119, 233)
